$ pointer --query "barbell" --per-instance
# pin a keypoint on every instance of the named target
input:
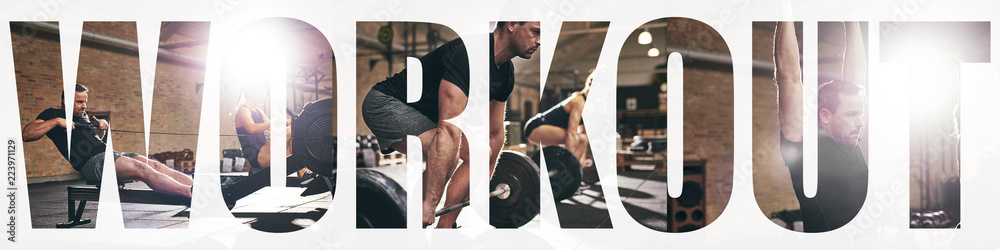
(522, 176)
(565, 171)
(502, 192)
(514, 200)
(521, 205)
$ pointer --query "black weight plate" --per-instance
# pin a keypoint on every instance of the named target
(517, 171)
(313, 142)
(566, 169)
(381, 201)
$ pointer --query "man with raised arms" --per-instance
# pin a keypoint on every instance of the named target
(842, 168)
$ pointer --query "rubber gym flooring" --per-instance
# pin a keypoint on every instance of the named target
(290, 212)
(586, 209)
(48, 207)
(269, 209)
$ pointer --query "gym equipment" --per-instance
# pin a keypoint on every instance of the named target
(92, 192)
(313, 146)
(381, 202)
(564, 171)
(515, 196)
(385, 34)
(367, 149)
(522, 202)
(502, 192)
(77, 196)
(648, 144)
(312, 137)
(514, 200)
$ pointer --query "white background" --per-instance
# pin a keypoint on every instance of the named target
(882, 222)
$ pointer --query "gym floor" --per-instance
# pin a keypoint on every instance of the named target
(586, 209)
(398, 173)
(262, 211)
(644, 194)
(48, 207)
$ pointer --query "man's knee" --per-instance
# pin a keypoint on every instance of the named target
(449, 131)
(143, 159)
(463, 152)
(151, 163)
(444, 131)
(131, 168)
(582, 140)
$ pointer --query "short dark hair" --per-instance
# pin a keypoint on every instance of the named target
(504, 23)
(79, 88)
(828, 96)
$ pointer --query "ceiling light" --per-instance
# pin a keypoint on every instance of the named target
(653, 52)
(645, 37)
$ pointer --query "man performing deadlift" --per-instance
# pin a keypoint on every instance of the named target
(444, 96)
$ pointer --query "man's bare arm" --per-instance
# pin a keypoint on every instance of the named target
(37, 128)
(497, 131)
(789, 78)
(451, 100)
(855, 61)
(102, 126)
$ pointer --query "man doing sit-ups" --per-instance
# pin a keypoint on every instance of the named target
(88, 133)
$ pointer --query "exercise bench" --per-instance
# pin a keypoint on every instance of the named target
(92, 192)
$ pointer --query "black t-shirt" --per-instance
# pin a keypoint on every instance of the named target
(501, 78)
(85, 141)
(842, 184)
(449, 62)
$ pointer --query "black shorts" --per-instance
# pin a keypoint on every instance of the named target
(93, 169)
(391, 120)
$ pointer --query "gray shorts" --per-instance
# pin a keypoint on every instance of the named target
(391, 120)
(94, 168)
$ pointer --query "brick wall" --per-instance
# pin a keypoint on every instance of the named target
(708, 135)
(772, 183)
(177, 99)
(112, 75)
(708, 107)
(708, 111)
(38, 73)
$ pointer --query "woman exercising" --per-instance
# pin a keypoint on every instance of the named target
(563, 124)
(251, 125)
